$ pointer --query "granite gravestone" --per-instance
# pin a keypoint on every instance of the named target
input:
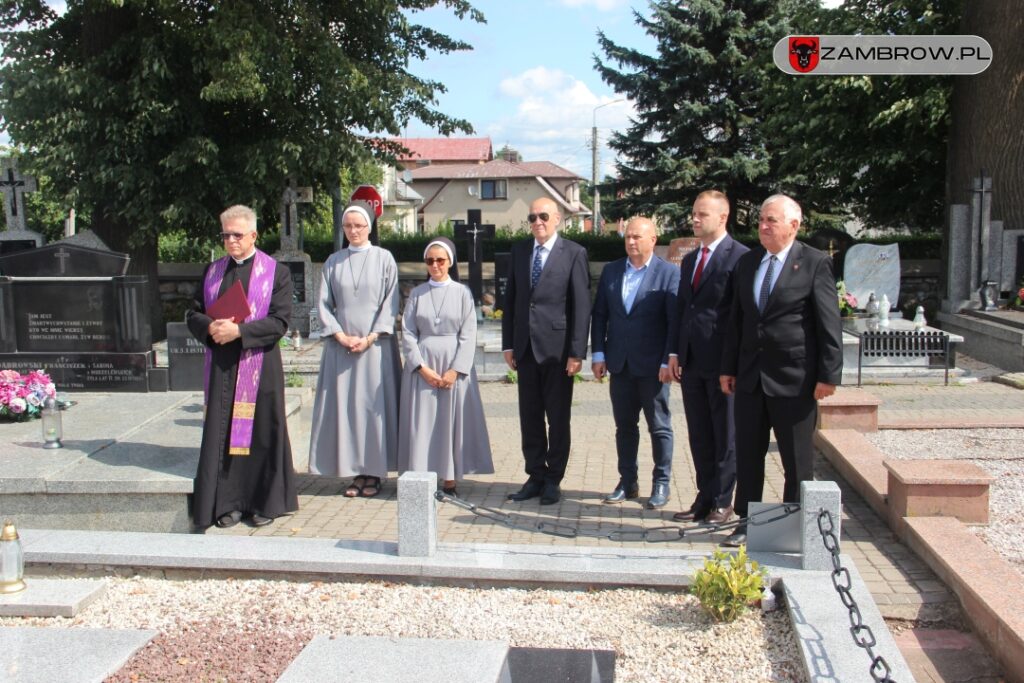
(474, 232)
(72, 311)
(502, 265)
(836, 244)
(294, 258)
(1012, 257)
(16, 237)
(677, 249)
(872, 268)
(186, 359)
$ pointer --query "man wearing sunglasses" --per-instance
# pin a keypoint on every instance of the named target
(544, 336)
(245, 458)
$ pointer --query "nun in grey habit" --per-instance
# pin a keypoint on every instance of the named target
(443, 429)
(355, 413)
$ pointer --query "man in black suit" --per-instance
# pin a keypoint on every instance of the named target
(544, 337)
(634, 310)
(783, 353)
(705, 299)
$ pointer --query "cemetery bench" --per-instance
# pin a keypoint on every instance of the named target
(900, 345)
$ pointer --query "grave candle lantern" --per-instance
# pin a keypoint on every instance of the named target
(53, 430)
(12, 560)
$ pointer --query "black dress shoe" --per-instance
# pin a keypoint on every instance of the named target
(623, 492)
(531, 489)
(737, 538)
(229, 520)
(659, 497)
(260, 520)
(551, 494)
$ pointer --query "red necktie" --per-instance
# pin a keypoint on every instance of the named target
(700, 267)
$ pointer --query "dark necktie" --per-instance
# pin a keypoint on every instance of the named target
(766, 285)
(535, 273)
(700, 267)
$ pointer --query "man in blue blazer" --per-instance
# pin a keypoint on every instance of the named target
(544, 337)
(783, 353)
(634, 311)
(705, 298)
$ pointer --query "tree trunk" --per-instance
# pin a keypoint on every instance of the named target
(116, 233)
(987, 112)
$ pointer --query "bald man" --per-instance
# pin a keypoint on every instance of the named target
(783, 352)
(544, 337)
(634, 311)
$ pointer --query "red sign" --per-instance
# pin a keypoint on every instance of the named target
(803, 53)
(368, 195)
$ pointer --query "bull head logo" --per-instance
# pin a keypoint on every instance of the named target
(803, 53)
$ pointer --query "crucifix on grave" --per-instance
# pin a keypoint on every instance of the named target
(291, 237)
(14, 186)
(474, 232)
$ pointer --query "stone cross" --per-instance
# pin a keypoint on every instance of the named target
(292, 196)
(14, 186)
(62, 255)
(981, 210)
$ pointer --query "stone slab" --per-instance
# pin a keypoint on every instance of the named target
(68, 655)
(532, 664)
(987, 340)
(989, 589)
(366, 659)
(417, 514)
(873, 269)
(817, 497)
(52, 597)
(859, 463)
(849, 408)
(772, 535)
(822, 627)
(937, 488)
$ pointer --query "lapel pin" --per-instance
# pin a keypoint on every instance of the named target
(796, 266)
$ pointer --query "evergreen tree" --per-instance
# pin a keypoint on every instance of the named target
(699, 122)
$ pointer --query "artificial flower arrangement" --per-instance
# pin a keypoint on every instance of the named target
(1018, 302)
(22, 396)
(847, 301)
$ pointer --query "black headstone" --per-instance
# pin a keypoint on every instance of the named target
(1019, 279)
(185, 359)
(531, 664)
(502, 265)
(64, 260)
(835, 243)
(14, 246)
(474, 233)
(86, 371)
(298, 271)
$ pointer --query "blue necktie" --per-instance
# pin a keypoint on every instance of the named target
(766, 285)
(535, 273)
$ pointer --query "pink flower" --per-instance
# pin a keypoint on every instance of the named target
(17, 405)
(9, 376)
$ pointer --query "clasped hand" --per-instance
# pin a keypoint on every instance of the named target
(445, 381)
(353, 343)
(223, 331)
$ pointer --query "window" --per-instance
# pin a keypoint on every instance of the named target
(493, 189)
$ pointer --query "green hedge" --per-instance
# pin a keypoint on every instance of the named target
(410, 247)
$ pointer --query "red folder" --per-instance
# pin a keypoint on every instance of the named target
(231, 304)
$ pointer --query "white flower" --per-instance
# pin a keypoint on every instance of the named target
(34, 400)
(17, 405)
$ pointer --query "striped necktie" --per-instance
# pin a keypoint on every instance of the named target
(766, 285)
(535, 272)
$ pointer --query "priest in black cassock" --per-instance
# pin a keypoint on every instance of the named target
(245, 460)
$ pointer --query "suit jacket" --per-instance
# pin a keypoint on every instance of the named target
(637, 340)
(798, 340)
(553, 318)
(703, 313)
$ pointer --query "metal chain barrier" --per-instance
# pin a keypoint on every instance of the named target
(862, 634)
(660, 534)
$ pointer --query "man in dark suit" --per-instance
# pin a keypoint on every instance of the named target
(783, 353)
(544, 337)
(705, 298)
(633, 312)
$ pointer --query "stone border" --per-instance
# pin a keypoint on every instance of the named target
(986, 585)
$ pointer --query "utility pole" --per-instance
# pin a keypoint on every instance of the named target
(596, 194)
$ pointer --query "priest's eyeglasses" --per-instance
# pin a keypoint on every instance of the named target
(233, 236)
(431, 261)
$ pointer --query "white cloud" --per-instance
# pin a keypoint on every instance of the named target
(600, 5)
(553, 117)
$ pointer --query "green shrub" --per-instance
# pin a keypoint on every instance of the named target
(511, 377)
(293, 379)
(728, 584)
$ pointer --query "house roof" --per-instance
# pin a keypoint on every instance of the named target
(447, 149)
(496, 168)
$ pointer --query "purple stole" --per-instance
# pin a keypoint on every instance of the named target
(250, 365)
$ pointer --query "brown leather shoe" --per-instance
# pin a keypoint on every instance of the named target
(719, 515)
(696, 513)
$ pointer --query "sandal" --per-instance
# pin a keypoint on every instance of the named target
(371, 487)
(448, 487)
(355, 489)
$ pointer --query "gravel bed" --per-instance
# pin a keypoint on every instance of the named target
(1000, 452)
(250, 630)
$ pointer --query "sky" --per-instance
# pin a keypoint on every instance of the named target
(530, 80)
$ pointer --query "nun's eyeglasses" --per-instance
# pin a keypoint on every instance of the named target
(431, 261)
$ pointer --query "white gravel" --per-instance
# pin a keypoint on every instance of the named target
(657, 636)
(1000, 452)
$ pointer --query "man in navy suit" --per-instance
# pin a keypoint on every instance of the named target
(783, 353)
(633, 312)
(544, 337)
(705, 298)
